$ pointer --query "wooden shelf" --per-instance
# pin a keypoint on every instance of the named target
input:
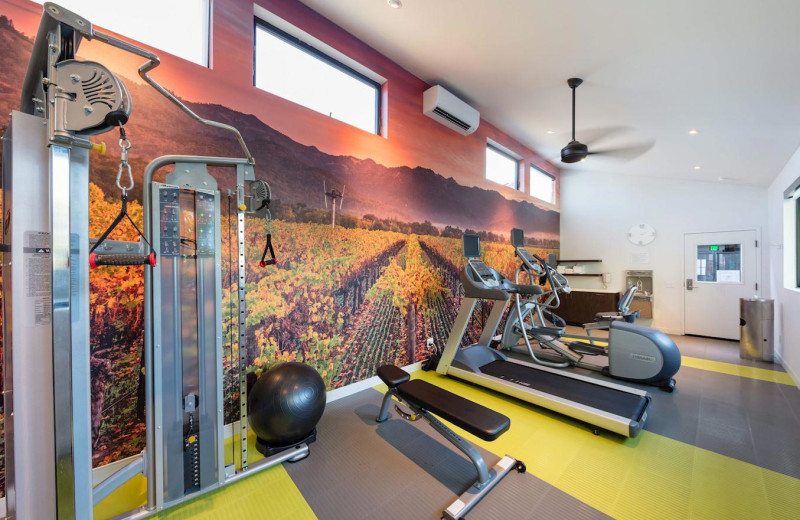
(578, 261)
(582, 274)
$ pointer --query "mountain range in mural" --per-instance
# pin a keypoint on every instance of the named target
(295, 171)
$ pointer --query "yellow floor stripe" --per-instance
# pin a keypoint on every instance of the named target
(650, 476)
(270, 493)
(763, 374)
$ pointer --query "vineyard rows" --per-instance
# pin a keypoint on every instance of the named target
(341, 300)
(379, 338)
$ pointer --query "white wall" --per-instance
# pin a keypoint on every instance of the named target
(597, 210)
(787, 301)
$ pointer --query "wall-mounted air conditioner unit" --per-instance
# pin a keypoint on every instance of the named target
(444, 107)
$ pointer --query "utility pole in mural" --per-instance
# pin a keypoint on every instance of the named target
(333, 194)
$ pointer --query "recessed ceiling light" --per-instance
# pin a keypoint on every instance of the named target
(395, 4)
(550, 132)
(698, 167)
(694, 132)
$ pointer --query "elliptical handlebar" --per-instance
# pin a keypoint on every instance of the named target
(554, 286)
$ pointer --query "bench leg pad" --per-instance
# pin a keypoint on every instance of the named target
(473, 495)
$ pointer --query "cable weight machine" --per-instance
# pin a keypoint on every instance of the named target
(46, 292)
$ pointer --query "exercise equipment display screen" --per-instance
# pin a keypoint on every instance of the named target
(472, 246)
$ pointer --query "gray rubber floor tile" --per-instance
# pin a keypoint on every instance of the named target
(792, 396)
(730, 441)
(716, 414)
(723, 388)
(558, 505)
(775, 449)
(359, 469)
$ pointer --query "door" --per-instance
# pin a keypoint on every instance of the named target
(719, 268)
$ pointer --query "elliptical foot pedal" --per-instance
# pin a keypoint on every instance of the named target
(587, 348)
(270, 449)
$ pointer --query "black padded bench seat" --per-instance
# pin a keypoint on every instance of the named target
(472, 417)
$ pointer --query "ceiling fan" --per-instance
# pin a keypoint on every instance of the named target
(576, 151)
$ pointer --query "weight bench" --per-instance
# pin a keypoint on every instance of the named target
(426, 400)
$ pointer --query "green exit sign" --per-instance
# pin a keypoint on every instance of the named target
(713, 248)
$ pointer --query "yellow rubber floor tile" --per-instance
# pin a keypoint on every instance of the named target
(267, 494)
(763, 374)
(784, 500)
(650, 476)
(667, 501)
(270, 493)
(129, 496)
(727, 488)
(607, 474)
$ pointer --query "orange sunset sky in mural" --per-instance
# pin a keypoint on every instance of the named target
(229, 82)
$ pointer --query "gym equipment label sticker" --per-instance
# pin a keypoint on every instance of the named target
(38, 274)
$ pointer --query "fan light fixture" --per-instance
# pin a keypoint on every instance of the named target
(395, 4)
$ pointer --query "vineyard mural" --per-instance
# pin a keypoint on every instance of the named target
(369, 290)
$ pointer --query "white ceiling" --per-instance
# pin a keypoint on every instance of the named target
(654, 70)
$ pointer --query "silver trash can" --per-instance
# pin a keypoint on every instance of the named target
(756, 331)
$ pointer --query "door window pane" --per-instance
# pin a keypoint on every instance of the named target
(720, 263)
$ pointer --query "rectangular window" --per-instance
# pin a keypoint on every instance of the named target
(543, 185)
(293, 70)
(179, 28)
(501, 167)
(720, 263)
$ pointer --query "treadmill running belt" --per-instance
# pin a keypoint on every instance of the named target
(609, 400)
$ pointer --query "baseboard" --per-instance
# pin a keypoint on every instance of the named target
(672, 332)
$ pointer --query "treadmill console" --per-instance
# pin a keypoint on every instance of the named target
(484, 272)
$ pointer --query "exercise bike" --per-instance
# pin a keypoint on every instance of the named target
(635, 353)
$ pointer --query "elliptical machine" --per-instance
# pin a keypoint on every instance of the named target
(635, 353)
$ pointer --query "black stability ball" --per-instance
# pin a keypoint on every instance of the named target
(286, 403)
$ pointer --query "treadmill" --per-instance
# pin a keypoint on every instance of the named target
(602, 404)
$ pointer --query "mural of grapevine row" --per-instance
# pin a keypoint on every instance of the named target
(378, 338)
(301, 308)
(342, 300)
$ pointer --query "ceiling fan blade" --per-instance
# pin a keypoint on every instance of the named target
(625, 153)
(592, 136)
